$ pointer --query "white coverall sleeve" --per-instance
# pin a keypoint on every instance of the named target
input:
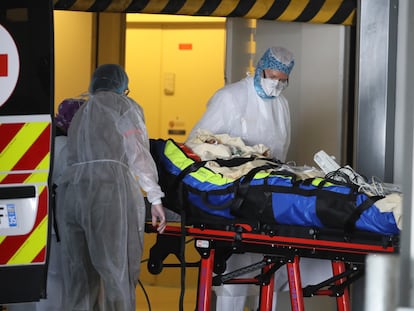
(139, 158)
(219, 115)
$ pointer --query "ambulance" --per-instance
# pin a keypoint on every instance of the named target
(26, 110)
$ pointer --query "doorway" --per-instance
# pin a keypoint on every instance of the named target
(175, 64)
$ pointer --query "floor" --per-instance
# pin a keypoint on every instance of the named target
(165, 298)
(163, 290)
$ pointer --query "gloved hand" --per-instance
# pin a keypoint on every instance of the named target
(158, 215)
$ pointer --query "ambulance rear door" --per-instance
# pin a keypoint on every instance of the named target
(26, 110)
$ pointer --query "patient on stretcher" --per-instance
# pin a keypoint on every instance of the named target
(212, 178)
(210, 146)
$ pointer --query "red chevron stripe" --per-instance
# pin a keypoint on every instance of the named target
(7, 132)
(41, 257)
(36, 153)
(15, 178)
(12, 243)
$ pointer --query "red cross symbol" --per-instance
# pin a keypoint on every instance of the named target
(3, 65)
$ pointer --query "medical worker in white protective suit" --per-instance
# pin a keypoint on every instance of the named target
(255, 110)
(53, 301)
(101, 209)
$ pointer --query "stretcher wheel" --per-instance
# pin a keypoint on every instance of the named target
(219, 267)
(155, 266)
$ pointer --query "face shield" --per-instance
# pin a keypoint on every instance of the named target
(109, 77)
(275, 58)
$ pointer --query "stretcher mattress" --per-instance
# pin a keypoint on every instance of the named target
(267, 195)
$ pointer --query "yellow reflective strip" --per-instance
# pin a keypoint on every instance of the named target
(177, 156)
(19, 145)
(191, 7)
(32, 246)
(2, 237)
(259, 9)
(118, 6)
(35, 178)
(225, 8)
(292, 12)
(44, 164)
(155, 6)
(326, 12)
(317, 180)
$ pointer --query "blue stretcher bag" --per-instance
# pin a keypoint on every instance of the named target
(266, 195)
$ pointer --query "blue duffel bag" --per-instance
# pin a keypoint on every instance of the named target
(264, 196)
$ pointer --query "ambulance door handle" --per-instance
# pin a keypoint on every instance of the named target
(169, 83)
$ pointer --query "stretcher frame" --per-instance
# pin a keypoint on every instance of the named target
(280, 245)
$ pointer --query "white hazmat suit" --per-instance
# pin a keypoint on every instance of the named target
(257, 114)
(101, 209)
(53, 301)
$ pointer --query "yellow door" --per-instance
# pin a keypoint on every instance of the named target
(174, 64)
(174, 68)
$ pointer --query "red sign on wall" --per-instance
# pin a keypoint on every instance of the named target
(185, 46)
(3, 65)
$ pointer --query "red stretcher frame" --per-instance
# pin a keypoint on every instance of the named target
(342, 250)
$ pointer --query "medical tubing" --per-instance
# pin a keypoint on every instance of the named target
(181, 202)
(145, 294)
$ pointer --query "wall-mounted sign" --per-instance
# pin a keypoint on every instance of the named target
(9, 65)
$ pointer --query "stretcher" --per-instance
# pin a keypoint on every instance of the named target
(270, 210)
(282, 246)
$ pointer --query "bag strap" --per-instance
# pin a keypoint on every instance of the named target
(189, 169)
(241, 187)
(350, 222)
(244, 184)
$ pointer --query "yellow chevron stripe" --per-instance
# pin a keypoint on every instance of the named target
(259, 8)
(2, 237)
(225, 7)
(191, 7)
(32, 246)
(326, 12)
(43, 167)
(82, 5)
(118, 6)
(350, 20)
(44, 164)
(19, 145)
(38, 177)
(293, 11)
(155, 6)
